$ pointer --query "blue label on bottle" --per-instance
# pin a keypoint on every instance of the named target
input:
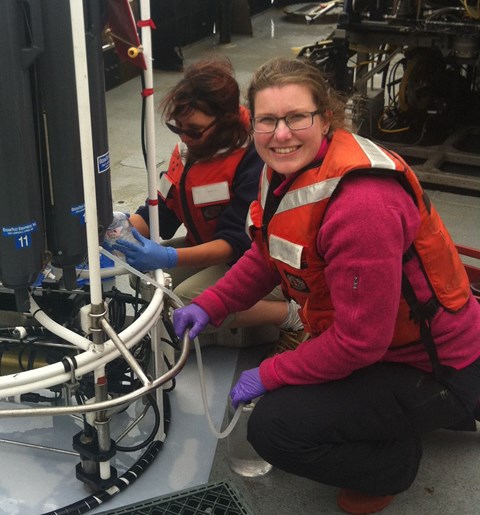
(103, 162)
(80, 212)
(22, 234)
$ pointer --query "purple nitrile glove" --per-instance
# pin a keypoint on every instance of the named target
(147, 255)
(190, 316)
(248, 387)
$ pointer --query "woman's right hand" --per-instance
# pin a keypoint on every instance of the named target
(190, 316)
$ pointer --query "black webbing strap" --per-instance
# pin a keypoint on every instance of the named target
(423, 314)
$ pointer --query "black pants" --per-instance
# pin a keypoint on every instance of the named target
(362, 432)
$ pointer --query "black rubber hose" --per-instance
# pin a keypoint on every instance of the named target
(156, 411)
(102, 496)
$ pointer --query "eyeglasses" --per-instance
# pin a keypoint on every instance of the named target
(191, 133)
(294, 121)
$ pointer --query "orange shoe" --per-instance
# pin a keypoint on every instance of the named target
(358, 503)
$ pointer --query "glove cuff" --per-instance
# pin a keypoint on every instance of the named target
(172, 257)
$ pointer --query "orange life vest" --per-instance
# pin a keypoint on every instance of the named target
(289, 238)
(198, 193)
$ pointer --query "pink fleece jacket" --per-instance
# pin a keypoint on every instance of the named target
(367, 228)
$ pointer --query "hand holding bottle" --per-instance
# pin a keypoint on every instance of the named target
(146, 254)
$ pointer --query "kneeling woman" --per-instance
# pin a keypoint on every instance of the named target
(345, 227)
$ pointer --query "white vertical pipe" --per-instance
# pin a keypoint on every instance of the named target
(85, 126)
(146, 33)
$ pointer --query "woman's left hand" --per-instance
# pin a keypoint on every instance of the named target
(147, 255)
(248, 387)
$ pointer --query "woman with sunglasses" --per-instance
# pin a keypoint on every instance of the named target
(348, 231)
(212, 178)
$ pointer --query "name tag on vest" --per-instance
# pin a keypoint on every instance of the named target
(285, 251)
(209, 193)
(164, 186)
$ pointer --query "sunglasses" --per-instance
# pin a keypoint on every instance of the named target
(191, 133)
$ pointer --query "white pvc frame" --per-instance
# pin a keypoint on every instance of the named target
(94, 356)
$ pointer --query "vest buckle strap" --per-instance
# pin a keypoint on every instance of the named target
(424, 311)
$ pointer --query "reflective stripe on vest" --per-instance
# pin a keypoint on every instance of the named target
(293, 230)
(199, 198)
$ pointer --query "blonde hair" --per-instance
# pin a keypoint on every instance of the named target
(281, 71)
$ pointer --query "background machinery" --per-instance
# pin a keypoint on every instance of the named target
(411, 69)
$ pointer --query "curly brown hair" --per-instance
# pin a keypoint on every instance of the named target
(209, 86)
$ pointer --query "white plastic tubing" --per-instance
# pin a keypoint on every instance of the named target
(86, 145)
(146, 33)
(54, 374)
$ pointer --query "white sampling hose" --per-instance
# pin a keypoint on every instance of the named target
(123, 264)
(203, 389)
(238, 411)
(55, 373)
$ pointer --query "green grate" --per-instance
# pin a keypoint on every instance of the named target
(212, 499)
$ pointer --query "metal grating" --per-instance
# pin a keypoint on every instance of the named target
(212, 499)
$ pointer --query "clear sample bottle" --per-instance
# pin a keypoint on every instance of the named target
(119, 229)
(242, 457)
